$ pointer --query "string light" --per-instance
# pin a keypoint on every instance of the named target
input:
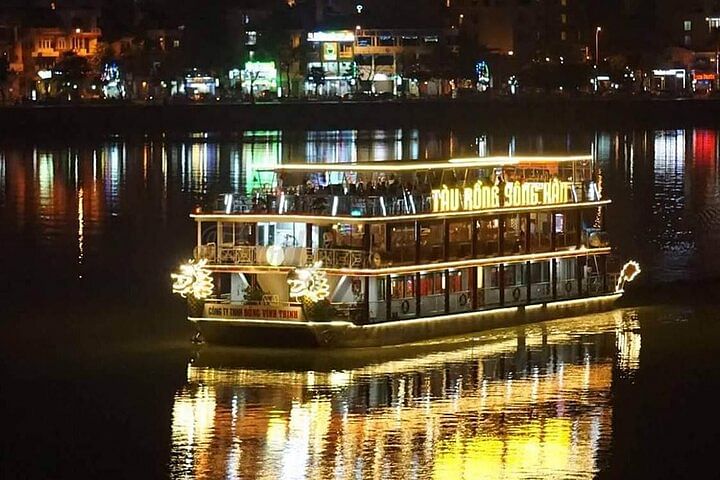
(194, 279)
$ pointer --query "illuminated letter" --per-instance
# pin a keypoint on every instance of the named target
(468, 199)
(454, 199)
(436, 200)
(555, 192)
(495, 197)
(517, 194)
(477, 194)
(534, 195)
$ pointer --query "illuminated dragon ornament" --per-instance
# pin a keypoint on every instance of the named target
(310, 283)
(627, 274)
(194, 279)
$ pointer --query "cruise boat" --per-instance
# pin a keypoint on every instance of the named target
(387, 253)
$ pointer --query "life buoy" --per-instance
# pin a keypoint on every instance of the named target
(568, 286)
(405, 306)
(462, 300)
(516, 293)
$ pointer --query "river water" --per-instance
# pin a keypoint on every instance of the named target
(99, 379)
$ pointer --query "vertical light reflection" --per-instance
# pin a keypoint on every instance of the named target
(628, 343)
(45, 168)
(114, 177)
(414, 143)
(192, 427)
(3, 178)
(482, 148)
(81, 230)
(260, 148)
(236, 171)
(673, 236)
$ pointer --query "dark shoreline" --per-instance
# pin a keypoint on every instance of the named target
(535, 114)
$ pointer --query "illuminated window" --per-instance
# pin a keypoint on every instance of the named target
(563, 18)
(176, 43)
(251, 38)
(687, 40)
(563, 36)
(563, 3)
(45, 44)
(714, 22)
(687, 25)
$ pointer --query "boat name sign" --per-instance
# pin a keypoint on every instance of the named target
(261, 312)
(515, 194)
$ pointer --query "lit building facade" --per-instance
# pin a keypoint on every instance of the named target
(330, 63)
(375, 61)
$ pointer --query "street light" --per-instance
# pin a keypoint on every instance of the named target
(597, 54)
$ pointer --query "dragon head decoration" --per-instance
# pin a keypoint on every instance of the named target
(310, 283)
(193, 279)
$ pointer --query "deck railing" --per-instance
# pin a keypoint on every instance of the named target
(292, 256)
(335, 200)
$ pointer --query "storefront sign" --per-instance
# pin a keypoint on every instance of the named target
(704, 76)
(259, 312)
(481, 197)
(330, 53)
(334, 36)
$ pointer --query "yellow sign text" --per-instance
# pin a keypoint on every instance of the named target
(483, 197)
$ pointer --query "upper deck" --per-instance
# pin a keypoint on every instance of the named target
(373, 192)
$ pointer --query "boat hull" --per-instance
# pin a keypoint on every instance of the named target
(262, 333)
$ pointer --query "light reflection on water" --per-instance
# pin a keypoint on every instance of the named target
(527, 403)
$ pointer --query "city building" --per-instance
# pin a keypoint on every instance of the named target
(377, 61)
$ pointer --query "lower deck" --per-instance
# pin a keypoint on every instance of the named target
(367, 300)
(345, 334)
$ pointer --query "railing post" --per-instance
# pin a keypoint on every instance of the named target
(528, 278)
(473, 281)
(501, 283)
(388, 297)
(447, 290)
(501, 234)
(417, 294)
(366, 301)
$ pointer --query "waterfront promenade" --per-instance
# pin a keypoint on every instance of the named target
(544, 113)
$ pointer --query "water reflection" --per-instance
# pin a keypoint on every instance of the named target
(532, 402)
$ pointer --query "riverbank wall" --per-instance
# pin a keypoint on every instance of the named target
(550, 114)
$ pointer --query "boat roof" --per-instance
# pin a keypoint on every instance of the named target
(413, 165)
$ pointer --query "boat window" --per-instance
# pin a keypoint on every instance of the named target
(515, 274)
(431, 241)
(458, 281)
(431, 284)
(515, 234)
(349, 236)
(377, 238)
(460, 244)
(403, 286)
(487, 236)
(403, 242)
(540, 239)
